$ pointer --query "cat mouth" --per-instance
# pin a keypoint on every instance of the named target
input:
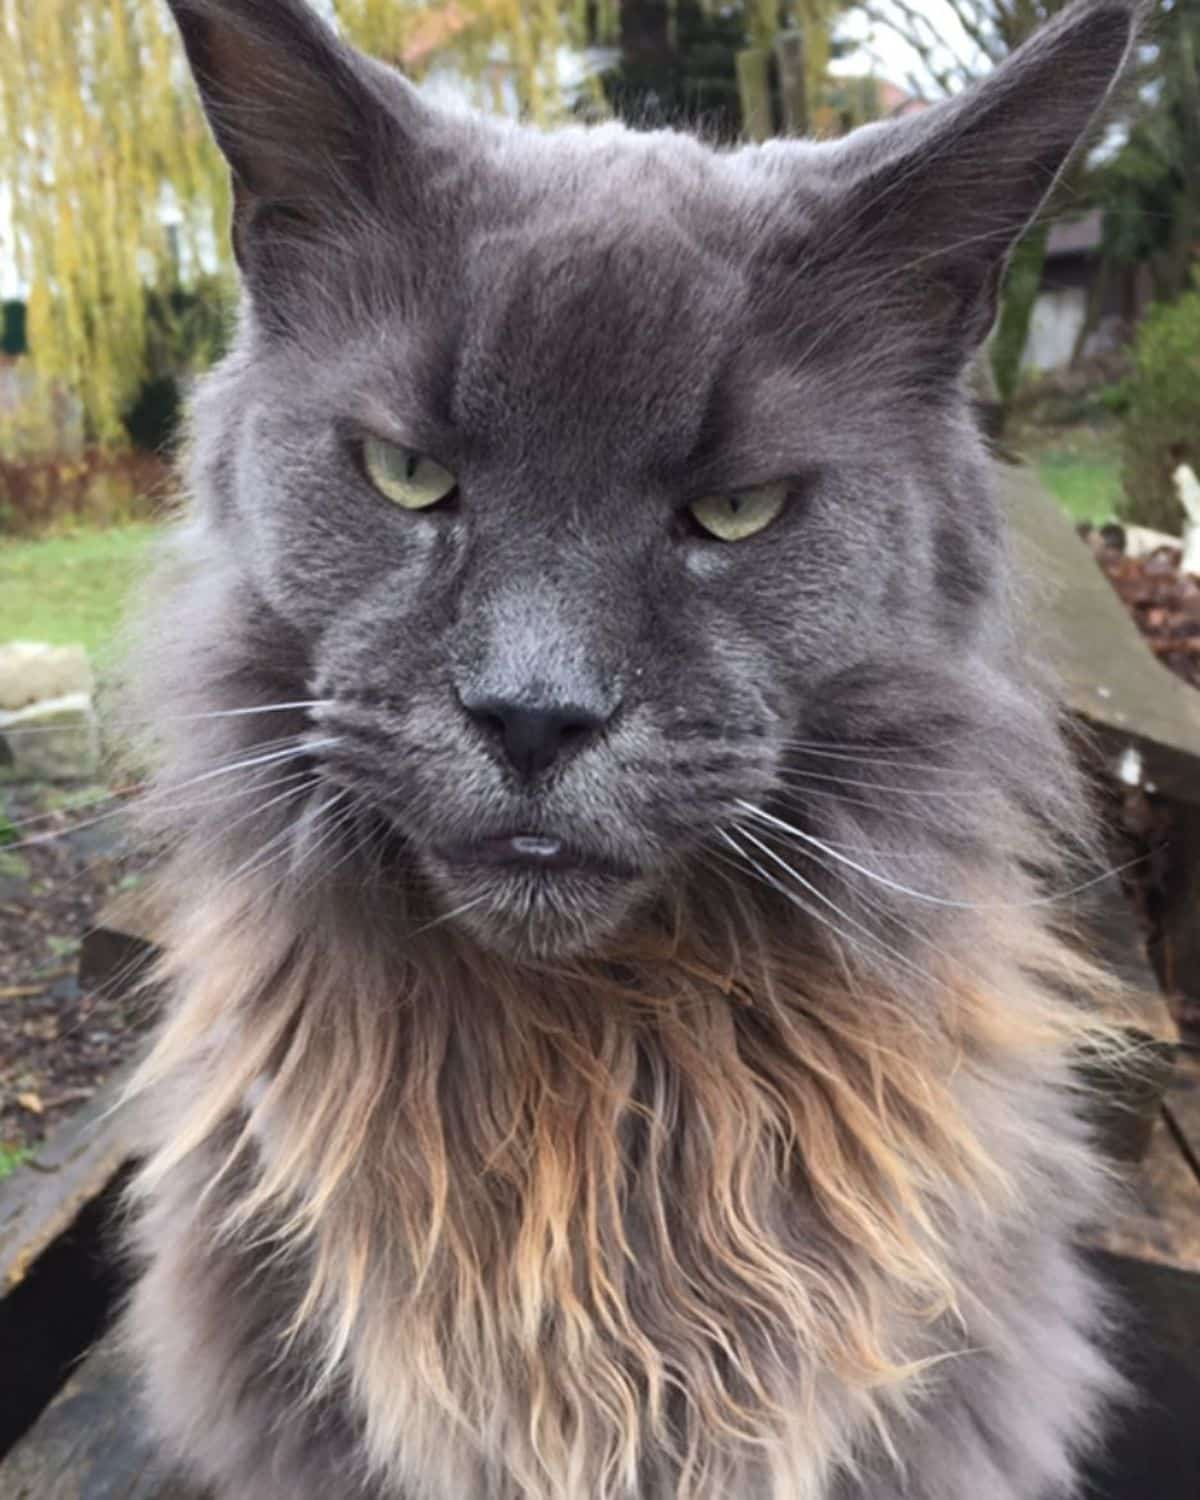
(532, 853)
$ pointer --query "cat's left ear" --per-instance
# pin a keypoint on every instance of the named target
(924, 211)
(314, 132)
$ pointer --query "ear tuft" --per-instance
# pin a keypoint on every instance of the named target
(307, 124)
(932, 206)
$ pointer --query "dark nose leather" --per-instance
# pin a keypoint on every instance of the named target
(535, 737)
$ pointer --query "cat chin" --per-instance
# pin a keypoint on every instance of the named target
(535, 916)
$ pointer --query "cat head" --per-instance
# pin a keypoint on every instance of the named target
(597, 487)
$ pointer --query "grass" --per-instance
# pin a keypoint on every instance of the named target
(69, 589)
(1087, 487)
(1079, 462)
(11, 1158)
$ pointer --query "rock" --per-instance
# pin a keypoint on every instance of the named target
(55, 740)
(31, 672)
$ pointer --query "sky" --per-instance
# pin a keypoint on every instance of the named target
(883, 52)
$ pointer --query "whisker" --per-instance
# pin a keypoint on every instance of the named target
(843, 799)
(147, 861)
(219, 713)
(856, 748)
(448, 916)
(938, 793)
(145, 789)
(878, 944)
(926, 896)
(880, 757)
(167, 792)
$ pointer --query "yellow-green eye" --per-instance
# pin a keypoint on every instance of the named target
(407, 479)
(732, 518)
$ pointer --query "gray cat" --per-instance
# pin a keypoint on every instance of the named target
(617, 1041)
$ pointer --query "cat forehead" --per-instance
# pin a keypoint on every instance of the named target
(629, 198)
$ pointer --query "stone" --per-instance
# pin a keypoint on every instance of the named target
(54, 740)
(31, 672)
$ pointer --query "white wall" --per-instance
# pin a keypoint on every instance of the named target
(1057, 318)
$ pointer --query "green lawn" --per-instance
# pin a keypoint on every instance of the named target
(1087, 486)
(70, 588)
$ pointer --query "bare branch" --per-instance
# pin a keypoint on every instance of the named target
(939, 60)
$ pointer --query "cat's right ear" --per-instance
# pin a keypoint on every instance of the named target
(314, 133)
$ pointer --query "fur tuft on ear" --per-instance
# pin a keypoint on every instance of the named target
(927, 210)
(307, 124)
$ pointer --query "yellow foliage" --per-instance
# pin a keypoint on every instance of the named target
(97, 146)
(102, 145)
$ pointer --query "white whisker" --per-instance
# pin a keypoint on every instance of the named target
(794, 773)
(873, 939)
(220, 713)
(926, 896)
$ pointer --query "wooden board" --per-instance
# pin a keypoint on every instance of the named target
(1108, 674)
(88, 1444)
(1161, 1219)
(1182, 1108)
(40, 1199)
(1153, 1447)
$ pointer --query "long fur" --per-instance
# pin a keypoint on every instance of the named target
(755, 1174)
(677, 1203)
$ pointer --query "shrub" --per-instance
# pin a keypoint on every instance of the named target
(101, 488)
(1162, 422)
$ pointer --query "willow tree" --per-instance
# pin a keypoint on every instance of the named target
(110, 191)
(101, 151)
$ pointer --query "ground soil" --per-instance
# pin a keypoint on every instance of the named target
(58, 1042)
(1164, 602)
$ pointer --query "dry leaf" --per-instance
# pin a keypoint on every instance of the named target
(31, 1102)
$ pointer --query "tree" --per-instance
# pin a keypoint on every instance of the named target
(677, 64)
(949, 46)
(1150, 190)
(692, 62)
(114, 196)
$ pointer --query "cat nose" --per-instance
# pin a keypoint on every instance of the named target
(534, 736)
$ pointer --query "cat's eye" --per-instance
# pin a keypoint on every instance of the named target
(732, 518)
(407, 479)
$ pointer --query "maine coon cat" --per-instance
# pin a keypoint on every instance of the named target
(618, 1041)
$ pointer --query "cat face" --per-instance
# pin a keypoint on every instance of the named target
(588, 482)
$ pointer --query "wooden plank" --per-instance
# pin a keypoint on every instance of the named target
(89, 1444)
(41, 1199)
(1160, 1218)
(1153, 1446)
(1183, 1108)
(115, 953)
(1109, 675)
